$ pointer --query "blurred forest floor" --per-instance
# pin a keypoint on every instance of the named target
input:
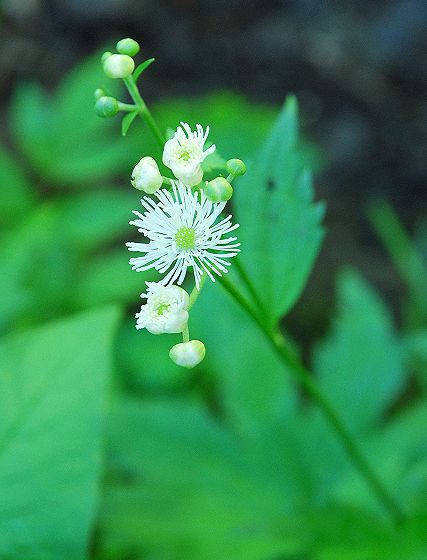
(359, 70)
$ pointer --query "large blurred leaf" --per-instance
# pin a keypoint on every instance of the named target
(349, 534)
(61, 136)
(183, 487)
(42, 261)
(415, 344)
(399, 455)
(109, 278)
(255, 388)
(52, 394)
(360, 363)
(280, 225)
(16, 196)
(406, 258)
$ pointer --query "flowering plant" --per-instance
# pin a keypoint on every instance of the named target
(185, 229)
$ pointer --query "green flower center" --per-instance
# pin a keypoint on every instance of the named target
(185, 238)
(162, 308)
(184, 155)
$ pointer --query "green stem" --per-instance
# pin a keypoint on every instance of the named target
(285, 354)
(249, 284)
(144, 113)
(128, 107)
(186, 334)
(288, 358)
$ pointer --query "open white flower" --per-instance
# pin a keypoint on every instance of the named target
(185, 152)
(182, 233)
(166, 310)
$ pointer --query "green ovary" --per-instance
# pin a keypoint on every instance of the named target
(185, 238)
(185, 156)
(162, 308)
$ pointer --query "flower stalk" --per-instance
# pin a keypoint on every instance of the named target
(185, 147)
(144, 112)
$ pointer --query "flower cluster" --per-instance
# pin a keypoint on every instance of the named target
(182, 218)
(184, 228)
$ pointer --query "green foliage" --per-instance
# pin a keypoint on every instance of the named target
(198, 493)
(142, 67)
(45, 261)
(62, 138)
(254, 388)
(229, 460)
(285, 233)
(52, 398)
(17, 196)
(360, 364)
(407, 260)
(127, 121)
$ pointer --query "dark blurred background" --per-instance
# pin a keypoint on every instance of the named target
(359, 70)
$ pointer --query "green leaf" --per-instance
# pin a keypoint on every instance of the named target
(360, 364)
(415, 344)
(144, 359)
(109, 278)
(183, 488)
(127, 121)
(62, 138)
(141, 67)
(44, 261)
(406, 258)
(52, 398)
(17, 196)
(399, 453)
(281, 228)
(255, 388)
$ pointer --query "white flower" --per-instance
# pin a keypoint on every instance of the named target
(184, 153)
(146, 175)
(166, 310)
(182, 233)
(188, 354)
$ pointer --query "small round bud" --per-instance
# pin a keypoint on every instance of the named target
(218, 190)
(188, 354)
(146, 176)
(128, 46)
(99, 93)
(106, 55)
(118, 66)
(106, 106)
(236, 167)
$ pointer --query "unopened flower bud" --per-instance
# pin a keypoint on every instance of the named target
(188, 354)
(99, 93)
(128, 46)
(105, 55)
(236, 167)
(106, 106)
(118, 66)
(146, 176)
(218, 190)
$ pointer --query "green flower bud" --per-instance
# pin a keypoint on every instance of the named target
(106, 106)
(236, 167)
(106, 55)
(146, 176)
(99, 93)
(118, 66)
(188, 354)
(128, 46)
(218, 190)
